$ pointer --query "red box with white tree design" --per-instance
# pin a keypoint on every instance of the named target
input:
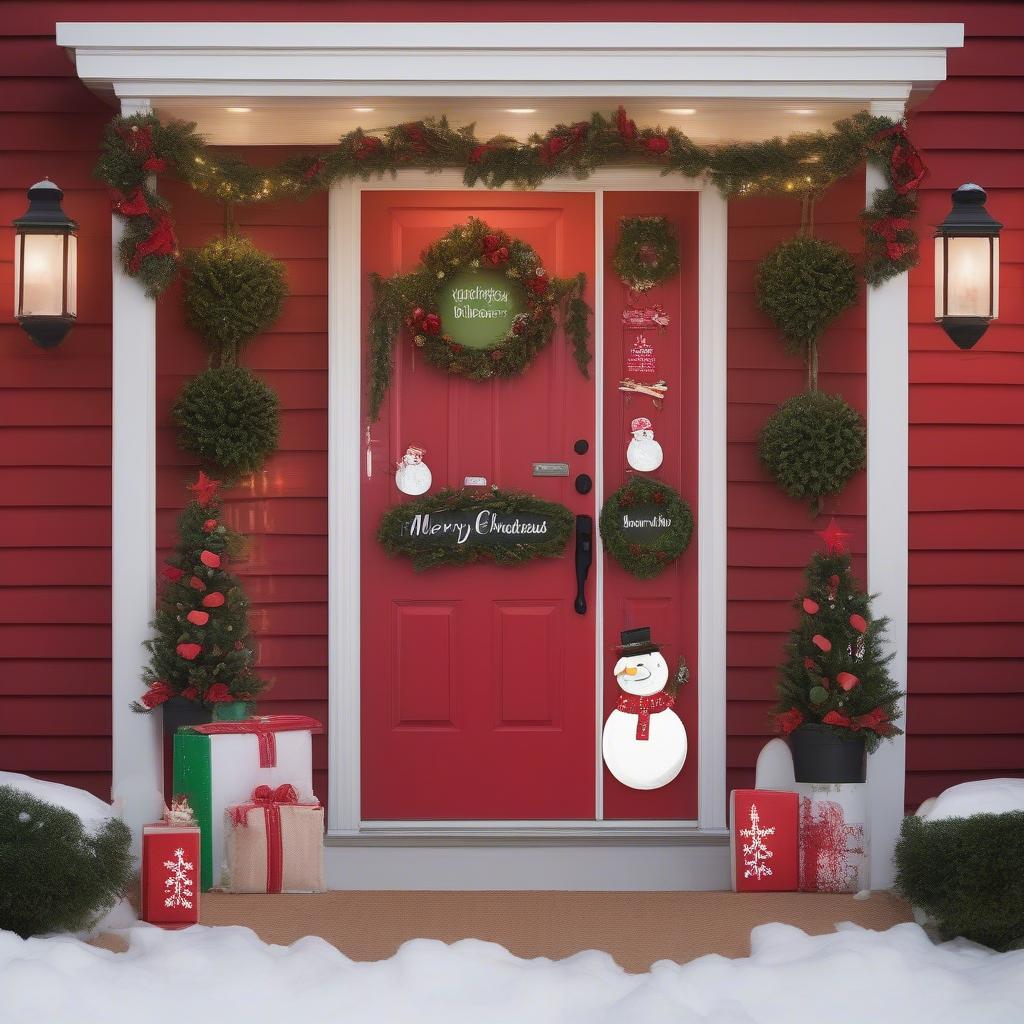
(170, 874)
(765, 840)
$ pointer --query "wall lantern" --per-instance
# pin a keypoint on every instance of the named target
(967, 268)
(45, 267)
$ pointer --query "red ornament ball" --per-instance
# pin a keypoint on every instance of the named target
(210, 559)
(198, 618)
(859, 623)
(210, 525)
(821, 642)
(811, 607)
(189, 651)
(214, 600)
(847, 680)
(196, 583)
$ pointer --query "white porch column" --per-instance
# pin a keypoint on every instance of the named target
(888, 362)
(137, 783)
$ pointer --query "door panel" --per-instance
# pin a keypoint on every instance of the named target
(477, 683)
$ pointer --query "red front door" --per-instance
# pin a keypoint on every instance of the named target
(477, 682)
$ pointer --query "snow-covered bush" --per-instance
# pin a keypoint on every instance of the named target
(960, 861)
(61, 870)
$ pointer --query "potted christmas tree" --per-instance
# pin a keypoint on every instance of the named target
(836, 697)
(201, 665)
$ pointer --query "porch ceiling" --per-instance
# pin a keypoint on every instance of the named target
(266, 120)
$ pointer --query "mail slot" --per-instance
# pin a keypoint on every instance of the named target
(551, 469)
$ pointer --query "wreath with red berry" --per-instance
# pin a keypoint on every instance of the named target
(645, 526)
(647, 252)
(409, 304)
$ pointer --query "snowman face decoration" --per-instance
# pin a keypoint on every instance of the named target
(644, 742)
(413, 474)
(644, 454)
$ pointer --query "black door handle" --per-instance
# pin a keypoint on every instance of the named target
(584, 557)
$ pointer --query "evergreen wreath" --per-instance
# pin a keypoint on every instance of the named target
(233, 291)
(229, 418)
(647, 252)
(411, 300)
(645, 561)
(803, 165)
(59, 876)
(395, 541)
(812, 445)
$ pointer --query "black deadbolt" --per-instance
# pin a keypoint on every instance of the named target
(581, 447)
(584, 483)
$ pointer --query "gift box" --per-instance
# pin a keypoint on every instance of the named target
(218, 764)
(274, 843)
(833, 837)
(764, 840)
(170, 874)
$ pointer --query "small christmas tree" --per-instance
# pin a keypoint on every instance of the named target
(200, 650)
(835, 676)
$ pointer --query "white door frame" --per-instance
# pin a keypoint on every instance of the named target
(345, 448)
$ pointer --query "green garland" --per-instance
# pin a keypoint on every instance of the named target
(647, 252)
(804, 165)
(645, 561)
(411, 299)
(425, 556)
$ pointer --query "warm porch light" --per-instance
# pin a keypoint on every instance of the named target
(967, 268)
(45, 267)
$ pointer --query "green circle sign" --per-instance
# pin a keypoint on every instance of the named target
(477, 307)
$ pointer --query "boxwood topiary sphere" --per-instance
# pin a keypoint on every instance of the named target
(813, 444)
(803, 285)
(228, 417)
(232, 293)
(57, 877)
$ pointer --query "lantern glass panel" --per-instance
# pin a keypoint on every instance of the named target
(42, 267)
(968, 277)
(72, 279)
(940, 276)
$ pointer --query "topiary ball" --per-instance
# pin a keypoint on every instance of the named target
(229, 418)
(812, 445)
(233, 292)
(57, 875)
(803, 285)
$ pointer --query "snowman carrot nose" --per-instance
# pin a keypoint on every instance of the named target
(630, 670)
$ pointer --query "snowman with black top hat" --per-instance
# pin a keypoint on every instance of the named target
(644, 741)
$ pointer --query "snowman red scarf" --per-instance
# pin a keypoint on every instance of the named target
(643, 708)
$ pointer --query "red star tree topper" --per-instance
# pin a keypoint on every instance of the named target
(835, 676)
(200, 649)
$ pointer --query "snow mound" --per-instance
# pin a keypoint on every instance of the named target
(216, 974)
(986, 796)
(90, 809)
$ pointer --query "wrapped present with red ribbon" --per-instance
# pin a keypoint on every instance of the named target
(170, 869)
(764, 840)
(217, 765)
(274, 843)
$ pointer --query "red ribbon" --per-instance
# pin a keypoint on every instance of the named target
(887, 229)
(643, 708)
(129, 206)
(876, 720)
(263, 727)
(161, 242)
(270, 801)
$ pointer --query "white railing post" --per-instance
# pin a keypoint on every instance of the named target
(137, 747)
(888, 377)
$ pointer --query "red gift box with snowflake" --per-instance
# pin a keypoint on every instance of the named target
(170, 874)
(765, 840)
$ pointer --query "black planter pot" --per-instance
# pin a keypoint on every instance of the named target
(819, 755)
(179, 712)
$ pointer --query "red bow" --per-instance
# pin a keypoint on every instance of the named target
(626, 125)
(876, 720)
(161, 242)
(138, 139)
(888, 228)
(129, 206)
(314, 168)
(157, 693)
(284, 794)
(643, 708)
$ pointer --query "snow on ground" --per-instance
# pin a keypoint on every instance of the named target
(220, 975)
(986, 796)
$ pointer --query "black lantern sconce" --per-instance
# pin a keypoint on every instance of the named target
(45, 267)
(967, 268)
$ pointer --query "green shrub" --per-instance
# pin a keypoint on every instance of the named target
(803, 285)
(967, 874)
(55, 876)
(228, 417)
(232, 293)
(812, 445)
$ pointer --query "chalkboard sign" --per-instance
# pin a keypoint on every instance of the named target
(459, 527)
(644, 524)
(477, 309)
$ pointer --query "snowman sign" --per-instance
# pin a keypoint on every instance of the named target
(413, 474)
(644, 742)
(644, 454)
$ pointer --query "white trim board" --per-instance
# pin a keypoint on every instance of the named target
(781, 59)
(345, 464)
